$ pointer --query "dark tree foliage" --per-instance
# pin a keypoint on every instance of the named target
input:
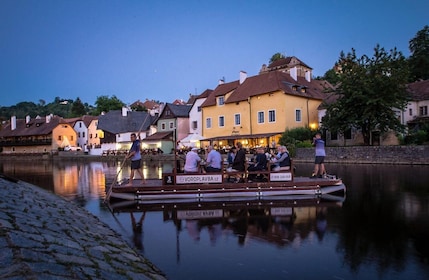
(369, 91)
(78, 109)
(276, 56)
(419, 58)
(105, 103)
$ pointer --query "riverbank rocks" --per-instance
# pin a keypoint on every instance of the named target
(43, 236)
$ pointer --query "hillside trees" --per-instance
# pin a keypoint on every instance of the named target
(369, 91)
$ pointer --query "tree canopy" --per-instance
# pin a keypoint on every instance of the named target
(370, 90)
(276, 56)
(419, 58)
(105, 103)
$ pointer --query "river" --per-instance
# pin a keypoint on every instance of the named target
(379, 230)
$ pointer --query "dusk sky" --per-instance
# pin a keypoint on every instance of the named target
(166, 50)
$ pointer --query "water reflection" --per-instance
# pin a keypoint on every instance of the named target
(379, 231)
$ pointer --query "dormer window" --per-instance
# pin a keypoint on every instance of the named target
(295, 87)
(220, 100)
(303, 89)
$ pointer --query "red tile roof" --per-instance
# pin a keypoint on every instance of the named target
(419, 90)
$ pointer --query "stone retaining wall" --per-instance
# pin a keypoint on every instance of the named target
(370, 154)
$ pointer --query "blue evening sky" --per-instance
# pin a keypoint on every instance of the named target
(166, 50)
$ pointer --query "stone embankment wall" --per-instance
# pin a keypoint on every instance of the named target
(370, 154)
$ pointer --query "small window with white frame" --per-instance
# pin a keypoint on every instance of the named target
(221, 121)
(272, 116)
(261, 117)
(298, 115)
(208, 122)
(237, 119)
(220, 101)
(171, 125)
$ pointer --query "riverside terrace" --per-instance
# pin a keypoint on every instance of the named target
(42, 236)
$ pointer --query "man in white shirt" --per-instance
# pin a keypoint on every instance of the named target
(192, 161)
(213, 161)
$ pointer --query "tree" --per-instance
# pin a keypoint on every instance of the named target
(105, 103)
(276, 56)
(419, 58)
(369, 91)
(330, 76)
(77, 109)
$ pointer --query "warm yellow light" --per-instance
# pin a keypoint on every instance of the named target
(313, 126)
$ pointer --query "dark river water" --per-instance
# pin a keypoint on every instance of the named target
(379, 230)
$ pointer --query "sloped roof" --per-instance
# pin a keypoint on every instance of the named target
(178, 111)
(278, 81)
(220, 90)
(159, 136)
(88, 119)
(285, 63)
(35, 127)
(419, 90)
(205, 93)
(114, 122)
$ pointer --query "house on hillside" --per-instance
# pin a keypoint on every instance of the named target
(289, 64)
(118, 125)
(39, 135)
(153, 108)
(257, 110)
(172, 125)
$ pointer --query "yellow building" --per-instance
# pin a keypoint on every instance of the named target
(257, 110)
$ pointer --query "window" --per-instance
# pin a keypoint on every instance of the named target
(271, 115)
(220, 100)
(298, 115)
(194, 125)
(59, 137)
(80, 124)
(410, 112)
(163, 126)
(209, 123)
(221, 121)
(199, 108)
(334, 135)
(261, 117)
(90, 136)
(96, 135)
(423, 110)
(78, 134)
(171, 125)
(83, 134)
(237, 119)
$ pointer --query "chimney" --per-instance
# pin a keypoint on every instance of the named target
(27, 119)
(13, 123)
(308, 76)
(48, 118)
(221, 81)
(124, 111)
(243, 76)
(294, 73)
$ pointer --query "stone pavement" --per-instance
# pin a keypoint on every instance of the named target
(43, 236)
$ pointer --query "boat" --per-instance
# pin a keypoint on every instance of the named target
(215, 186)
